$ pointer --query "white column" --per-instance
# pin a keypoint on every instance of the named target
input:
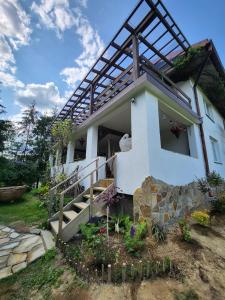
(92, 142)
(70, 152)
(145, 131)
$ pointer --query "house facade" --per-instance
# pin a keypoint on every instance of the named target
(174, 115)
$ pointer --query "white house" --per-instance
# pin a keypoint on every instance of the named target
(140, 88)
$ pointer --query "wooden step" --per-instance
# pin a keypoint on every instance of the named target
(105, 182)
(70, 214)
(55, 225)
(81, 205)
(99, 188)
(88, 196)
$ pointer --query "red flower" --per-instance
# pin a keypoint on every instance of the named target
(102, 230)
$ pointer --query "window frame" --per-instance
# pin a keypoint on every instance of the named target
(215, 150)
(208, 109)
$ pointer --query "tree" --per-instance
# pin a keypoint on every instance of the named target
(27, 124)
(42, 144)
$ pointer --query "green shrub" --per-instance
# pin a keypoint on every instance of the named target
(158, 232)
(201, 217)
(218, 205)
(89, 231)
(187, 295)
(185, 230)
(134, 237)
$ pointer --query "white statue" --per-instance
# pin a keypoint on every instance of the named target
(125, 143)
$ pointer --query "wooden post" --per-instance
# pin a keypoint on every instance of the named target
(109, 273)
(148, 269)
(140, 269)
(132, 271)
(124, 272)
(102, 273)
(60, 215)
(135, 48)
(91, 194)
(91, 106)
(97, 162)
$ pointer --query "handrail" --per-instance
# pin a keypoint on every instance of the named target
(61, 203)
(78, 171)
(81, 179)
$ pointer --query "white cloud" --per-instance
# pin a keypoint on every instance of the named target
(59, 16)
(92, 48)
(46, 96)
(54, 14)
(14, 33)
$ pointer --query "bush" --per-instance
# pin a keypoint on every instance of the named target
(158, 232)
(201, 217)
(134, 237)
(185, 230)
(89, 231)
(218, 205)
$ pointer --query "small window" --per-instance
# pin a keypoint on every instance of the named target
(216, 150)
(208, 109)
(224, 124)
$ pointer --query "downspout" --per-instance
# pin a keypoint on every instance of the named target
(202, 135)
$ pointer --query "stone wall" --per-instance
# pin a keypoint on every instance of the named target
(164, 203)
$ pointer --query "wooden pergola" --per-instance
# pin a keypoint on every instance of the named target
(148, 42)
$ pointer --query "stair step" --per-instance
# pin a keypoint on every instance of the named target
(81, 205)
(88, 196)
(105, 182)
(99, 189)
(70, 214)
(55, 225)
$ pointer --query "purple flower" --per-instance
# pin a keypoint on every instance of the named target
(132, 231)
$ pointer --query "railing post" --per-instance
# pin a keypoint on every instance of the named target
(91, 193)
(91, 106)
(136, 59)
(97, 162)
(61, 215)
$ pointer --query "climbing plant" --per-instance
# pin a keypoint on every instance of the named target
(61, 133)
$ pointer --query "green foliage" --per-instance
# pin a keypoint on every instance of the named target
(134, 236)
(38, 276)
(158, 232)
(218, 205)
(89, 231)
(185, 230)
(27, 209)
(187, 295)
(17, 173)
(123, 221)
(7, 132)
(43, 189)
(61, 132)
(214, 179)
(181, 62)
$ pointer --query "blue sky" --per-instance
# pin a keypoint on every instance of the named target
(47, 46)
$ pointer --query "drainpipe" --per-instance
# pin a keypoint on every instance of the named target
(202, 135)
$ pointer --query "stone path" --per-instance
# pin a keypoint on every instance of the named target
(17, 250)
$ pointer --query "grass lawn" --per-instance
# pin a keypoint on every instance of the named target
(27, 209)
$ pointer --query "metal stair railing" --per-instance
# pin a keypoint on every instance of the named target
(62, 194)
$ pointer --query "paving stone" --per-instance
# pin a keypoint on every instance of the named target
(27, 244)
(5, 272)
(5, 252)
(35, 253)
(3, 261)
(16, 258)
(48, 239)
(2, 226)
(35, 231)
(14, 235)
(3, 241)
(9, 245)
(3, 234)
(6, 229)
(19, 267)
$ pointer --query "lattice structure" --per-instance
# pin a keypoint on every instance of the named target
(148, 41)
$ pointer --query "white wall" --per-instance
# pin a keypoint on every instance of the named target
(147, 157)
(214, 129)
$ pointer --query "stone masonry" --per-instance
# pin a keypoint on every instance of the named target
(163, 203)
(17, 250)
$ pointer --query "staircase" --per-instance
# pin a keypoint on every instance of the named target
(66, 223)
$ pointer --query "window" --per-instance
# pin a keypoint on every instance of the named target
(224, 124)
(208, 109)
(216, 150)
